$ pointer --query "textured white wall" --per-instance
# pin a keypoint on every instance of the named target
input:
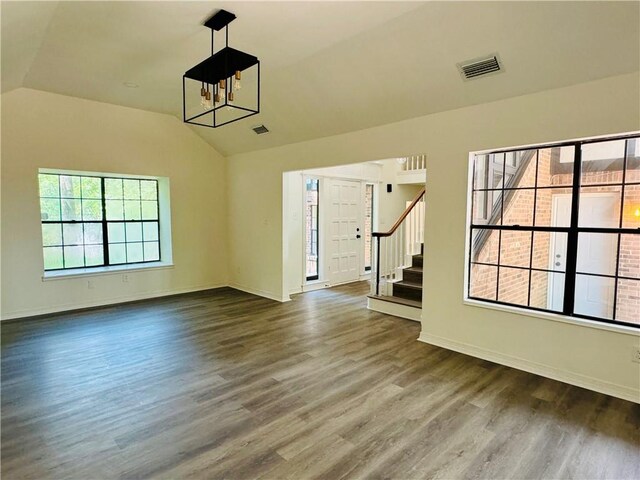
(44, 130)
(602, 107)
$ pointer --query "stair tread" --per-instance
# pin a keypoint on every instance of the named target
(404, 283)
(398, 300)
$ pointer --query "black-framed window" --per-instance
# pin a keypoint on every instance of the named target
(312, 200)
(557, 228)
(94, 221)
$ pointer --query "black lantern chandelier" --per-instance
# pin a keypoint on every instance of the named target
(225, 87)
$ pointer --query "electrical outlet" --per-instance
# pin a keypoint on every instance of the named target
(125, 278)
(635, 354)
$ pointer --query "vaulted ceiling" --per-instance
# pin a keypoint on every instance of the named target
(327, 67)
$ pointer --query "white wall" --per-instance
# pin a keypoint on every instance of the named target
(598, 358)
(44, 130)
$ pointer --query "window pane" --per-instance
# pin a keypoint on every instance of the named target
(483, 281)
(148, 189)
(116, 232)
(134, 232)
(134, 252)
(151, 251)
(487, 207)
(629, 261)
(150, 230)
(117, 253)
(115, 210)
(132, 210)
(631, 210)
(131, 189)
(600, 207)
(91, 210)
(633, 160)
(520, 169)
(550, 251)
(555, 166)
(149, 210)
(484, 248)
(553, 207)
(93, 255)
(547, 290)
(51, 234)
(69, 186)
(518, 207)
(597, 253)
(72, 234)
(92, 233)
(113, 188)
(513, 285)
(602, 162)
(594, 296)
(52, 258)
(628, 301)
(49, 186)
(71, 209)
(515, 248)
(480, 172)
(73, 257)
(91, 188)
(50, 209)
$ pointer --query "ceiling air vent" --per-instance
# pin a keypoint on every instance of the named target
(260, 129)
(480, 67)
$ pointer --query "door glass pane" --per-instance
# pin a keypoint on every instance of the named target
(312, 191)
(594, 296)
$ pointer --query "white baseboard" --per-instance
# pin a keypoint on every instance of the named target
(395, 309)
(579, 380)
(260, 293)
(67, 307)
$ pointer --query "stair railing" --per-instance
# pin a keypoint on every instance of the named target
(391, 251)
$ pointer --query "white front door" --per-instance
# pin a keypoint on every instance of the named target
(343, 218)
(596, 253)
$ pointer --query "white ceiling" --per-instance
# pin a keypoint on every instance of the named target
(327, 67)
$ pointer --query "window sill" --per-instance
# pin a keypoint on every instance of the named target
(99, 271)
(555, 317)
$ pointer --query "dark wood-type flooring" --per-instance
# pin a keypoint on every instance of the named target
(223, 384)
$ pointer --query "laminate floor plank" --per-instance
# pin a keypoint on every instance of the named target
(224, 384)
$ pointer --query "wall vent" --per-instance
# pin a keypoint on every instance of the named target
(260, 129)
(480, 67)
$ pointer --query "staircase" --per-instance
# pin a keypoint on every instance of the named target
(410, 287)
(396, 274)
